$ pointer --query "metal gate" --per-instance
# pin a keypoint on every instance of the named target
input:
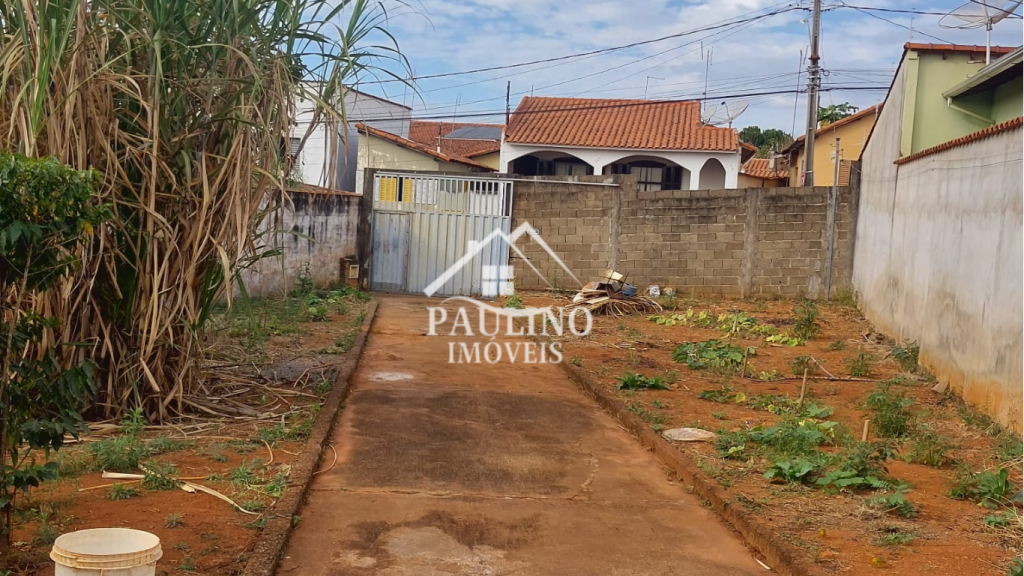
(448, 233)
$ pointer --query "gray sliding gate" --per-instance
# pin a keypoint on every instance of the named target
(424, 224)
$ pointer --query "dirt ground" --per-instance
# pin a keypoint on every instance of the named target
(270, 364)
(841, 529)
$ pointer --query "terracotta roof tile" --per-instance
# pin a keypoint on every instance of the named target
(870, 110)
(996, 50)
(972, 137)
(602, 123)
(406, 143)
(758, 168)
(426, 133)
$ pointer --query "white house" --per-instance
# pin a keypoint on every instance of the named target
(311, 164)
(663, 142)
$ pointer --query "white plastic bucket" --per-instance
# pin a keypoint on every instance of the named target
(106, 552)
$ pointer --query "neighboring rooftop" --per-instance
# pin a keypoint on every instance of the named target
(994, 74)
(869, 111)
(456, 138)
(996, 50)
(604, 123)
(421, 148)
(760, 168)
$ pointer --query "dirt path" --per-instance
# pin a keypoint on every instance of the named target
(498, 470)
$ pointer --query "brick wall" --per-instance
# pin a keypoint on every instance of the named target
(753, 241)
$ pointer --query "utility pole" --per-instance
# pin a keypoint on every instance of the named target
(813, 83)
(508, 95)
(830, 224)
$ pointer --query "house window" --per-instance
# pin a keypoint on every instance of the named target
(648, 178)
(294, 151)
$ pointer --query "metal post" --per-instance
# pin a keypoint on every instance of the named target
(508, 95)
(830, 225)
(813, 82)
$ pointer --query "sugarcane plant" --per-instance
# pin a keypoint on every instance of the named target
(184, 108)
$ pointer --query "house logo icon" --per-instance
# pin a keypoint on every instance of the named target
(499, 280)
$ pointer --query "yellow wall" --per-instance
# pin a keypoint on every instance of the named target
(745, 181)
(852, 137)
(489, 160)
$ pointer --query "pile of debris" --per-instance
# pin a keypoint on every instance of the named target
(613, 296)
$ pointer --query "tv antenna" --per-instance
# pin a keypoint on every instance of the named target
(974, 15)
(724, 113)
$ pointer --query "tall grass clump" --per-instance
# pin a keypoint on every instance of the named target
(184, 109)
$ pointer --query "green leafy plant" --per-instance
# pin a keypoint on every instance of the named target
(930, 449)
(122, 492)
(711, 354)
(892, 414)
(860, 466)
(806, 325)
(785, 340)
(801, 363)
(514, 301)
(894, 503)
(836, 345)
(656, 421)
(860, 365)
(1016, 568)
(631, 381)
(906, 355)
(770, 376)
(791, 471)
(47, 211)
(317, 312)
(576, 360)
(720, 395)
(160, 476)
(1001, 519)
(123, 452)
(173, 521)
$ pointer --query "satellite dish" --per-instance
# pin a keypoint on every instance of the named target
(724, 113)
(976, 14)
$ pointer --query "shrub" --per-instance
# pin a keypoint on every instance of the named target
(47, 211)
(122, 492)
(929, 449)
(806, 326)
(860, 365)
(892, 415)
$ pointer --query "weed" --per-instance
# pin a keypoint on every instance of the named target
(576, 360)
(806, 326)
(160, 476)
(180, 546)
(258, 524)
(634, 359)
(1001, 519)
(657, 404)
(785, 340)
(303, 282)
(247, 474)
(1016, 568)
(895, 503)
(836, 345)
(633, 381)
(275, 488)
(892, 415)
(801, 363)
(253, 506)
(905, 355)
(846, 296)
(163, 445)
(978, 420)
(896, 536)
(122, 492)
(1009, 448)
(794, 436)
(860, 365)
(670, 377)
(323, 387)
(173, 521)
(188, 564)
(45, 535)
(345, 343)
(218, 456)
(720, 395)
(317, 312)
(657, 421)
(929, 449)
(121, 453)
(713, 354)
(791, 471)
(514, 301)
(860, 466)
(718, 415)
(770, 376)
(358, 320)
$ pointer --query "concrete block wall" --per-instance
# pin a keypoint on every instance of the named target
(747, 242)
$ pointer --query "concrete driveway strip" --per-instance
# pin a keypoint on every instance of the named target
(480, 469)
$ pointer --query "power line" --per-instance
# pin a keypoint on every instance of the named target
(592, 52)
(877, 17)
(630, 104)
(919, 12)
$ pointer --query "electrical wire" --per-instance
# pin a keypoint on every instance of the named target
(717, 26)
(877, 17)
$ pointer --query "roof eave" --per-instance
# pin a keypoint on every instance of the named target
(999, 67)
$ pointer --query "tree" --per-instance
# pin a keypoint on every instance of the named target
(767, 141)
(835, 112)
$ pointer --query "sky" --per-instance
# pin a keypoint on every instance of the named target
(859, 49)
